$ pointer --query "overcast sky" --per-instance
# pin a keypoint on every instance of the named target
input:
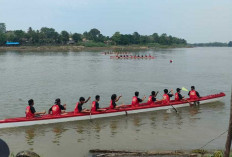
(193, 20)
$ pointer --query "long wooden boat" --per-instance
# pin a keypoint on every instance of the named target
(128, 109)
(131, 57)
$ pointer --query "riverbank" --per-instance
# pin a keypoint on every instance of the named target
(83, 48)
(177, 153)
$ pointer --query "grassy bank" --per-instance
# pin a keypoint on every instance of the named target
(154, 153)
(75, 48)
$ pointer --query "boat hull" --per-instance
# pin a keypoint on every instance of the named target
(70, 116)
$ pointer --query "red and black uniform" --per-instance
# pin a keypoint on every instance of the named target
(151, 99)
(95, 106)
(166, 98)
(193, 94)
(178, 97)
(78, 108)
(136, 101)
(56, 109)
(30, 112)
(112, 104)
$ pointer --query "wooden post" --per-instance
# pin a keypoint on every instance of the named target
(229, 135)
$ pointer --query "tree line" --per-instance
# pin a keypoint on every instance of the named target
(213, 44)
(49, 36)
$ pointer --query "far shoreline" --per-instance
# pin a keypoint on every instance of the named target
(74, 48)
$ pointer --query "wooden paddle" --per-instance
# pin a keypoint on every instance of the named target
(169, 103)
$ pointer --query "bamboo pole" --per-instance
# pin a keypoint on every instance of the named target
(229, 135)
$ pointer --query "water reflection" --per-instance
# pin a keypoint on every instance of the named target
(113, 127)
(58, 131)
(30, 135)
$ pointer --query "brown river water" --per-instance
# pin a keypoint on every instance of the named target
(45, 76)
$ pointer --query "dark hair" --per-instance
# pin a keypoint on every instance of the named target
(82, 99)
(136, 93)
(113, 97)
(165, 91)
(192, 87)
(57, 101)
(153, 93)
(97, 97)
(30, 102)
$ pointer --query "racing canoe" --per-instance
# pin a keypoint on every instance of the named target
(128, 109)
(131, 57)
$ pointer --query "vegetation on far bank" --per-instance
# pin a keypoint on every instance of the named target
(50, 37)
(213, 44)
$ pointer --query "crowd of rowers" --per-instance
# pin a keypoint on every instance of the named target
(135, 56)
(117, 53)
(58, 109)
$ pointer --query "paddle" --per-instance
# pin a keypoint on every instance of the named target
(90, 113)
(170, 104)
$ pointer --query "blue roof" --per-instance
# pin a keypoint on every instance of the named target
(12, 43)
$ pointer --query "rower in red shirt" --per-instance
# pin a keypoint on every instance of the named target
(113, 101)
(166, 96)
(135, 100)
(178, 96)
(193, 94)
(95, 105)
(152, 97)
(78, 108)
(30, 110)
(57, 108)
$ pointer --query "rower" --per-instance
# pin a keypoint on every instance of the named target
(178, 96)
(95, 105)
(166, 96)
(30, 110)
(79, 105)
(57, 108)
(193, 94)
(113, 101)
(152, 97)
(136, 100)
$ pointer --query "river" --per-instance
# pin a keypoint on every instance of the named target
(45, 76)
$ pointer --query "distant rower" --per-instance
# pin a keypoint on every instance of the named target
(30, 110)
(57, 108)
(136, 100)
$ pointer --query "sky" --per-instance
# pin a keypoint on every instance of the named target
(196, 21)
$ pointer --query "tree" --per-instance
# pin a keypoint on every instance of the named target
(116, 38)
(94, 35)
(48, 36)
(76, 37)
(155, 37)
(136, 38)
(2, 38)
(64, 37)
(2, 28)
(19, 35)
(230, 44)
